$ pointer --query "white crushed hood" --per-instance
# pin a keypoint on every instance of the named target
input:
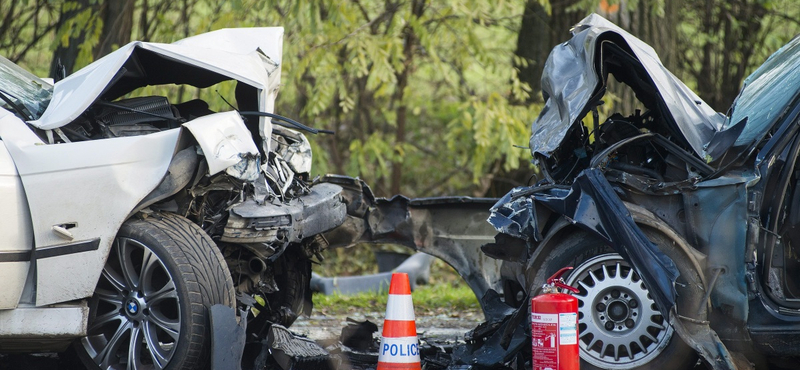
(249, 55)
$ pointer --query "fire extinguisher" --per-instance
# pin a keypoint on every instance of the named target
(554, 326)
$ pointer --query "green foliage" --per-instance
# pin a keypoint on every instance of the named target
(343, 64)
(420, 93)
(721, 42)
(485, 132)
(392, 79)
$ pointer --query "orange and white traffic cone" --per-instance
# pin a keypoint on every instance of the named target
(399, 345)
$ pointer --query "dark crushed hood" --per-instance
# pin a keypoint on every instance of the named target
(574, 80)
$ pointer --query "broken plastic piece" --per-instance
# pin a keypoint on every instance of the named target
(358, 335)
(293, 352)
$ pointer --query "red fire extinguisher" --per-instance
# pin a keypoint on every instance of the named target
(554, 326)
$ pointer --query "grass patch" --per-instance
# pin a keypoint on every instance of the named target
(445, 294)
(360, 260)
(435, 299)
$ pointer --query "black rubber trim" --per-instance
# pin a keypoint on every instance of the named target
(15, 256)
(84, 246)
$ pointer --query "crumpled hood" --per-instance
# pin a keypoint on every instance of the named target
(249, 55)
(573, 80)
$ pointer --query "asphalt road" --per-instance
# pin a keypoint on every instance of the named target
(322, 328)
(432, 330)
(438, 327)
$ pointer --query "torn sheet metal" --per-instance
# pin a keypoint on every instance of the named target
(227, 337)
(297, 151)
(320, 210)
(187, 62)
(251, 56)
(592, 204)
(571, 86)
(515, 215)
(500, 341)
(292, 352)
(227, 145)
(705, 341)
(359, 335)
(451, 228)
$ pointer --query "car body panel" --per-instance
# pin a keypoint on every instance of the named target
(112, 175)
(66, 185)
(573, 80)
(45, 328)
(16, 236)
(226, 144)
(251, 56)
(717, 209)
(591, 204)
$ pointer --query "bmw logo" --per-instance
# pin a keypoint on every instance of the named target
(132, 307)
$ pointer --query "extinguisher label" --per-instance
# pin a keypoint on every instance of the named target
(568, 328)
(545, 340)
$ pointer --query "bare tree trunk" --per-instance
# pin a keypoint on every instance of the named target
(538, 34)
(117, 16)
(731, 32)
(660, 32)
(65, 56)
(532, 48)
(417, 8)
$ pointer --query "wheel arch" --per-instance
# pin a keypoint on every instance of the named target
(689, 316)
(563, 227)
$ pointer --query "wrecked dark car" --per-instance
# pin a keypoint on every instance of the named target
(680, 222)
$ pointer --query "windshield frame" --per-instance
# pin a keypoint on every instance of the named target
(766, 96)
(28, 92)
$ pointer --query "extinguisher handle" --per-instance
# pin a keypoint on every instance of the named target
(557, 281)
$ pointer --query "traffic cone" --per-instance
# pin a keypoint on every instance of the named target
(399, 345)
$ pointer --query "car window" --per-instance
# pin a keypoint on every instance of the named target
(767, 93)
(22, 90)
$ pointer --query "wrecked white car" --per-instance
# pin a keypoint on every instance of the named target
(135, 227)
(125, 218)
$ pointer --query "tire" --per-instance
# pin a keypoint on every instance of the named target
(150, 307)
(619, 325)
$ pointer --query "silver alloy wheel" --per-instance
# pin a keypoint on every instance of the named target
(136, 319)
(619, 324)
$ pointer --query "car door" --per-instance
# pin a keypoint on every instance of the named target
(78, 195)
(16, 235)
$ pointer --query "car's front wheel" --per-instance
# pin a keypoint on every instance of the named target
(150, 308)
(620, 326)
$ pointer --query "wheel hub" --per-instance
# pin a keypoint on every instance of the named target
(618, 311)
(135, 306)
